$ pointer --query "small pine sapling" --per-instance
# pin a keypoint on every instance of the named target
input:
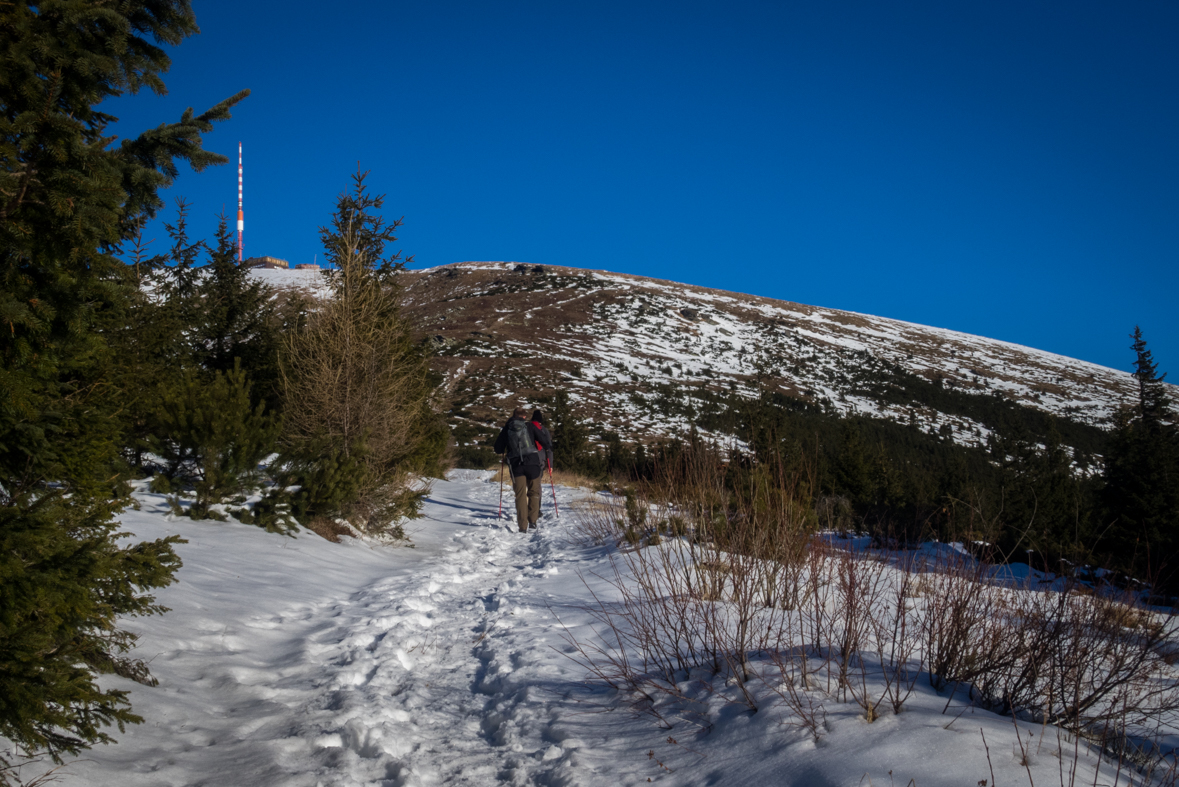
(213, 436)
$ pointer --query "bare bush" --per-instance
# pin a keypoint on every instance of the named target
(964, 642)
(715, 598)
(743, 592)
(1092, 663)
(896, 628)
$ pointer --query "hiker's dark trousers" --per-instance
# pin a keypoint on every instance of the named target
(527, 500)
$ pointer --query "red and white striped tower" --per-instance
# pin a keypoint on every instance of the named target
(240, 216)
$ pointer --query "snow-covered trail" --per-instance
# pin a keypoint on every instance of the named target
(299, 662)
(434, 680)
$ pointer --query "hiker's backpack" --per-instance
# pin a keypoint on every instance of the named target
(520, 442)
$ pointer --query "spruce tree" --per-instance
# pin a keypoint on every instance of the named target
(212, 434)
(68, 200)
(1046, 503)
(1154, 405)
(852, 470)
(236, 325)
(1141, 493)
(570, 435)
(356, 388)
(148, 336)
(184, 324)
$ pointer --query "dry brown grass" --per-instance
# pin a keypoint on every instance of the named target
(560, 478)
(328, 528)
(574, 480)
(503, 359)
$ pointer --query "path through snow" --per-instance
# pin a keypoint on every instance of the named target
(300, 662)
(444, 676)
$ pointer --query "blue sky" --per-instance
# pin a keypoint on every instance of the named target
(1009, 169)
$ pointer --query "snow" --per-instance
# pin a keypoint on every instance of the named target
(294, 661)
(309, 281)
(817, 350)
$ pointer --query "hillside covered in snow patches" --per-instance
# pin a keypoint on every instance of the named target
(634, 354)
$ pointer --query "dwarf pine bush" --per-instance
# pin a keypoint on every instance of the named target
(213, 436)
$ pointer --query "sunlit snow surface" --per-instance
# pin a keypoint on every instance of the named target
(310, 282)
(300, 662)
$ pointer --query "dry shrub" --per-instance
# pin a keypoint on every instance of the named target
(329, 528)
(962, 638)
(14, 763)
(598, 521)
(1093, 664)
(559, 478)
(574, 480)
(746, 593)
(703, 601)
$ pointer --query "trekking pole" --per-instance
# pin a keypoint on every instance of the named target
(500, 514)
(553, 488)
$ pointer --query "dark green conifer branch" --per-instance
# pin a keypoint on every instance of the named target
(69, 199)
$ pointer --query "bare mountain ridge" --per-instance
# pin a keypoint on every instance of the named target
(625, 346)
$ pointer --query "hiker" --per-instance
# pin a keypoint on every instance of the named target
(546, 458)
(547, 454)
(522, 442)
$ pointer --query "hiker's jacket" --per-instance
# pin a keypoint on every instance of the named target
(519, 440)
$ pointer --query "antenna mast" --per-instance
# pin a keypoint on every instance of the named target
(240, 216)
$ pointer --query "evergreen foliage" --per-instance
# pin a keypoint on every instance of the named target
(236, 326)
(184, 325)
(63, 584)
(212, 435)
(329, 477)
(148, 335)
(1154, 405)
(356, 387)
(1030, 495)
(105, 363)
(428, 456)
(890, 383)
(1048, 505)
(570, 434)
(473, 446)
(68, 201)
(1141, 495)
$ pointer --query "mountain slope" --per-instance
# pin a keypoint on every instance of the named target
(622, 345)
(646, 357)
